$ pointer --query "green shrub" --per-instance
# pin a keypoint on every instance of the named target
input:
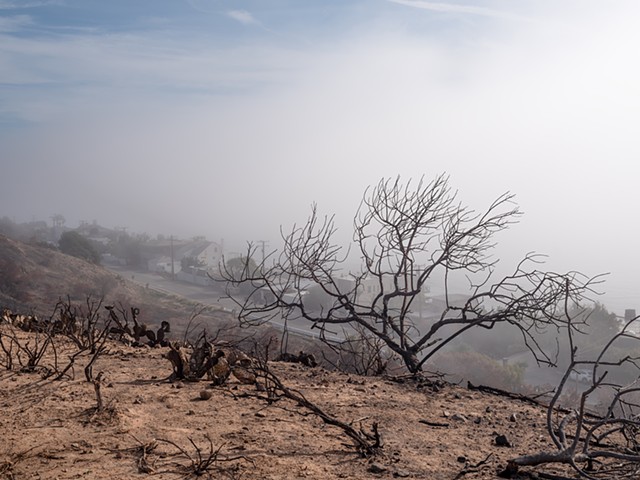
(72, 243)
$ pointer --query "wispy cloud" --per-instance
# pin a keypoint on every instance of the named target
(206, 6)
(239, 15)
(14, 23)
(458, 8)
(82, 65)
(243, 17)
(12, 5)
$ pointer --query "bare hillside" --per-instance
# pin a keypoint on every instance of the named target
(151, 427)
(33, 278)
(122, 413)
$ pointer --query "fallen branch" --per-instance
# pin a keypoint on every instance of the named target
(474, 468)
(523, 398)
(367, 444)
(433, 424)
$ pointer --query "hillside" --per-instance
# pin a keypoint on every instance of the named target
(33, 278)
(50, 429)
(151, 425)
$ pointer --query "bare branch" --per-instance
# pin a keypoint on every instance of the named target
(615, 433)
(406, 235)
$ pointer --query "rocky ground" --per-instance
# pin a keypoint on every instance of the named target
(152, 427)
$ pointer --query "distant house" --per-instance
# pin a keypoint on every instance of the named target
(205, 253)
(158, 254)
(162, 264)
(97, 233)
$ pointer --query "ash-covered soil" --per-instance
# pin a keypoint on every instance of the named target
(153, 428)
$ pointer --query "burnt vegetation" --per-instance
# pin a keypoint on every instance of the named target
(406, 236)
(370, 323)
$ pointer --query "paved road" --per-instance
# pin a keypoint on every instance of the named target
(204, 295)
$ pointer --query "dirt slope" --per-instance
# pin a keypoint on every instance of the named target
(50, 429)
(152, 427)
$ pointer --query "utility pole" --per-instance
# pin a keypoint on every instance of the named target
(173, 272)
(263, 243)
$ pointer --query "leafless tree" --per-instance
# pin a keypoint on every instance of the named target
(406, 235)
(29, 353)
(81, 325)
(596, 446)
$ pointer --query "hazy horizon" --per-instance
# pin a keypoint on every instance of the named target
(230, 118)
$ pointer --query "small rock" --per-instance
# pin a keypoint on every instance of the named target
(462, 459)
(488, 409)
(503, 441)
(513, 418)
(376, 468)
(401, 474)
(458, 417)
(477, 420)
(457, 396)
(260, 415)
(191, 412)
(205, 394)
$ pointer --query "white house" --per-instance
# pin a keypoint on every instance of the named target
(159, 254)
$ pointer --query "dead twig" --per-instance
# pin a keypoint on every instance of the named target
(12, 459)
(201, 462)
(97, 383)
(475, 468)
(434, 424)
(140, 452)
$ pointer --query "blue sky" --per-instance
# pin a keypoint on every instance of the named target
(228, 118)
(59, 51)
